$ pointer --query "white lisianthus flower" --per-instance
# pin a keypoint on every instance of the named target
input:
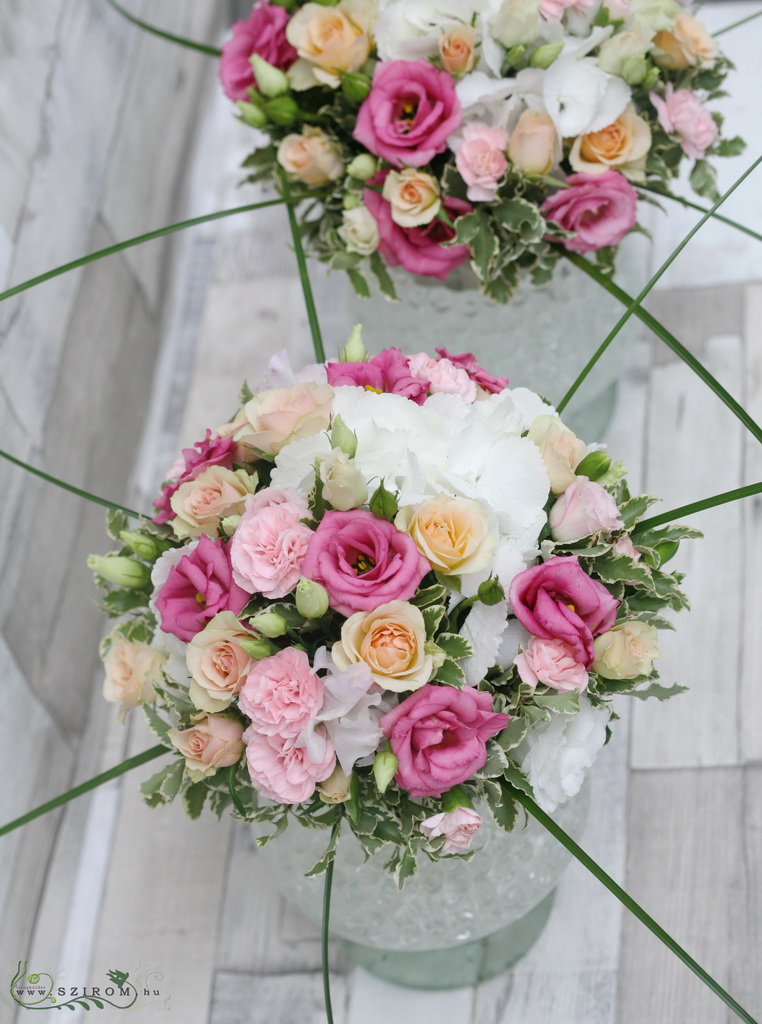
(483, 627)
(359, 231)
(581, 98)
(410, 29)
(560, 752)
(491, 101)
(295, 463)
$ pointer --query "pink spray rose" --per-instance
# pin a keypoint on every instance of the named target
(198, 587)
(599, 207)
(212, 451)
(213, 742)
(443, 376)
(420, 249)
(554, 10)
(282, 693)
(411, 109)
(683, 114)
(458, 826)
(551, 662)
(363, 561)
(584, 508)
(267, 549)
(282, 771)
(557, 600)
(388, 372)
(439, 736)
(481, 377)
(480, 159)
(263, 33)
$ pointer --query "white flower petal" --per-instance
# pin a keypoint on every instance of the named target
(483, 628)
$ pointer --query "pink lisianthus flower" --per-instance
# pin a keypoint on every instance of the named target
(583, 509)
(480, 159)
(388, 373)
(263, 33)
(443, 376)
(551, 662)
(683, 114)
(419, 250)
(281, 694)
(557, 600)
(600, 208)
(212, 451)
(268, 547)
(411, 109)
(197, 588)
(282, 771)
(363, 561)
(458, 826)
(439, 737)
(481, 377)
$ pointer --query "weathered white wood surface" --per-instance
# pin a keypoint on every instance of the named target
(676, 809)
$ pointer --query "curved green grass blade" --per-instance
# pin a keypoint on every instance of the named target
(670, 340)
(70, 487)
(635, 303)
(587, 861)
(701, 209)
(304, 277)
(737, 24)
(190, 44)
(699, 506)
(85, 787)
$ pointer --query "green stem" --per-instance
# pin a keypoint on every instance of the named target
(191, 44)
(304, 278)
(735, 24)
(635, 304)
(670, 340)
(120, 246)
(232, 790)
(324, 937)
(70, 487)
(587, 861)
(699, 506)
(701, 209)
(85, 787)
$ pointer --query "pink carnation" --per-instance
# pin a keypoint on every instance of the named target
(551, 662)
(388, 372)
(197, 588)
(363, 561)
(458, 826)
(481, 377)
(411, 109)
(268, 547)
(683, 114)
(583, 509)
(282, 694)
(282, 771)
(263, 33)
(599, 208)
(212, 451)
(481, 161)
(442, 376)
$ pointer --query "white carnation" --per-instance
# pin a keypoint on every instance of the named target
(580, 97)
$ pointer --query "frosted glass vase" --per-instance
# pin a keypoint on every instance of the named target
(455, 922)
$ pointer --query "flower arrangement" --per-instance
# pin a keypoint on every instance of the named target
(500, 132)
(391, 587)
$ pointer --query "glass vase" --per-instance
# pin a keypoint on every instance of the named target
(455, 922)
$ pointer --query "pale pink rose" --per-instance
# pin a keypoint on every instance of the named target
(275, 418)
(533, 143)
(217, 665)
(624, 546)
(282, 771)
(282, 694)
(311, 157)
(268, 547)
(132, 670)
(683, 114)
(442, 375)
(200, 504)
(457, 49)
(551, 662)
(583, 509)
(457, 826)
(480, 159)
(554, 10)
(214, 742)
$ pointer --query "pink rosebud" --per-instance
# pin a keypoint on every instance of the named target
(443, 376)
(212, 451)
(263, 33)
(439, 736)
(481, 377)
(458, 826)
(282, 693)
(480, 159)
(624, 546)
(583, 509)
(683, 114)
(600, 208)
(282, 771)
(551, 662)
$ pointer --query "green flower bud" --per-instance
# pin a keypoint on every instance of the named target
(490, 591)
(355, 86)
(354, 350)
(229, 525)
(384, 769)
(253, 115)
(363, 166)
(350, 201)
(544, 55)
(383, 503)
(634, 69)
(344, 438)
(514, 56)
(613, 473)
(594, 465)
(124, 572)
(143, 545)
(270, 80)
(282, 110)
(269, 624)
(652, 78)
(257, 647)
(335, 789)
(311, 599)
(455, 797)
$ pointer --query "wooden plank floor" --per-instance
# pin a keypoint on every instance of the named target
(676, 810)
